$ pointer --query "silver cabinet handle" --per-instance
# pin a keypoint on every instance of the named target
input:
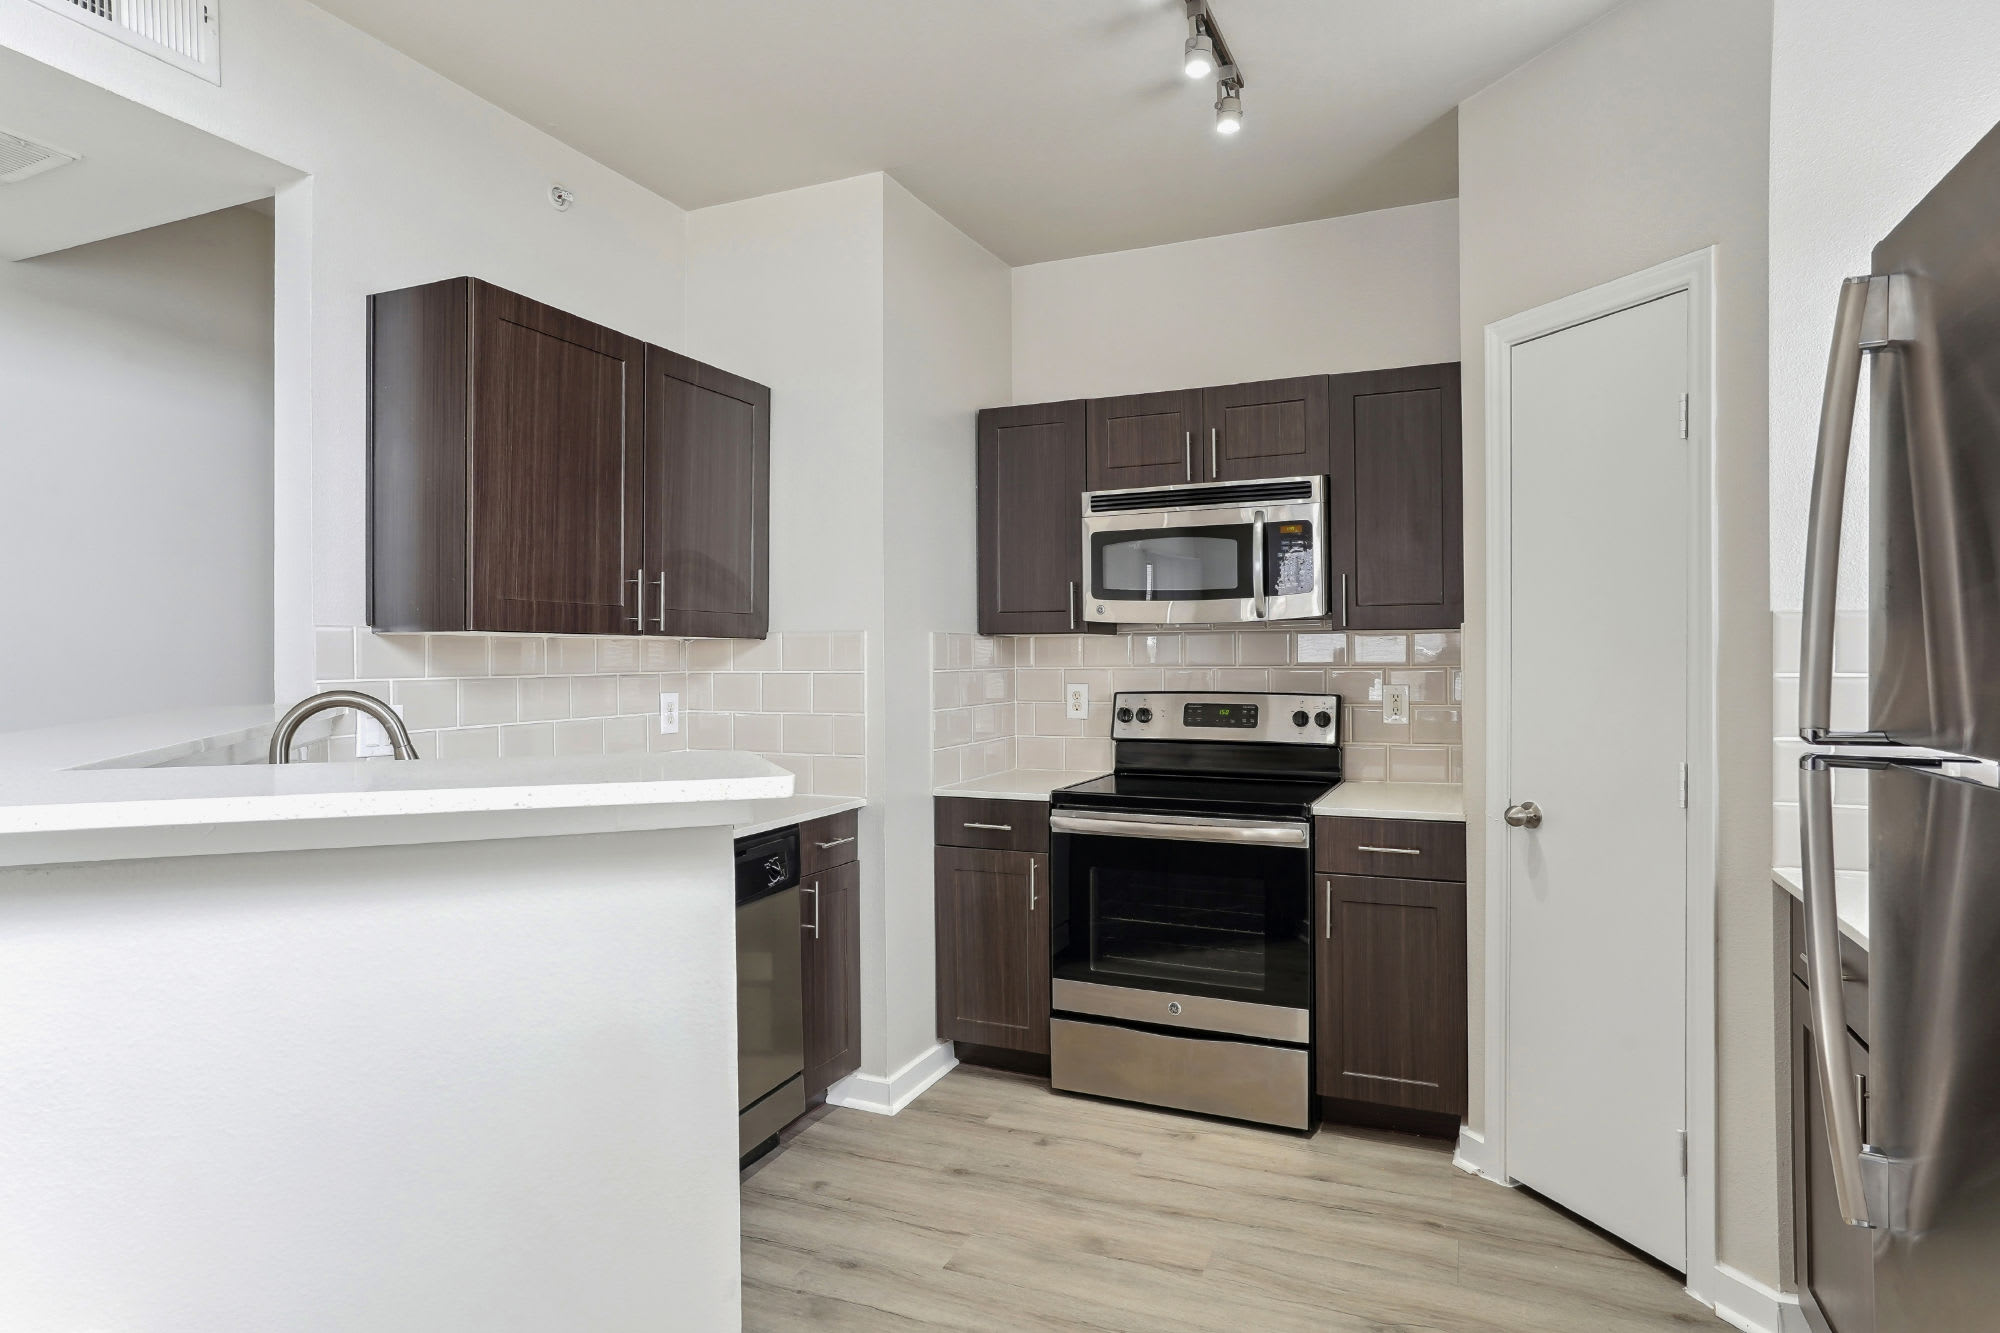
(1186, 828)
(1390, 851)
(837, 842)
(1031, 884)
(1257, 563)
(1525, 815)
(1343, 601)
(1187, 453)
(1829, 1007)
(661, 584)
(1872, 314)
(1329, 907)
(997, 828)
(814, 927)
(638, 616)
(1072, 603)
(1213, 470)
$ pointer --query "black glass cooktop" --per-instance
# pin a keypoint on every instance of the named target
(1194, 793)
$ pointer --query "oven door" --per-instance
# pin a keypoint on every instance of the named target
(1184, 921)
(1205, 566)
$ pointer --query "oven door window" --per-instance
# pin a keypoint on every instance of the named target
(1171, 564)
(1221, 920)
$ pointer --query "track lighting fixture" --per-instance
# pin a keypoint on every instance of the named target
(1206, 55)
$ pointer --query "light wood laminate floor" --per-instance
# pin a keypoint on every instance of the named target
(992, 1203)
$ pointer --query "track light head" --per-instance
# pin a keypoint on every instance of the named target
(1228, 109)
(1199, 56)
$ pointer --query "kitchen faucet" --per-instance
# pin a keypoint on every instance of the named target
(288, 725)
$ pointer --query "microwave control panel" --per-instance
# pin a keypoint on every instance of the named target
(1289, 558)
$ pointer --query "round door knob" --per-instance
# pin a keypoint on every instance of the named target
(1124, 715)
(1174, 1007)
(1300, 718)
(1525, 815)
(1322, 718)
(1145, 715)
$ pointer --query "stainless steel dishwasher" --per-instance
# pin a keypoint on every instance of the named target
(770, 1022)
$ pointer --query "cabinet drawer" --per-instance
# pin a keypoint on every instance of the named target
(1402, 848)
(999, 825)
(829, 842)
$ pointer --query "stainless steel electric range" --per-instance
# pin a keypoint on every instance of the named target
(1182, 906)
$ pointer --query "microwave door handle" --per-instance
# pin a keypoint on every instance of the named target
(1257, 562)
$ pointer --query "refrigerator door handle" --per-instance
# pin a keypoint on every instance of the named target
(1873, 313)
(1829, 1011)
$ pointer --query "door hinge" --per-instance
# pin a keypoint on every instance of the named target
(1684, 786)
(1684, 416)
(1684, 1154)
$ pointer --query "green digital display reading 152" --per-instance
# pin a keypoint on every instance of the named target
(1242, 717)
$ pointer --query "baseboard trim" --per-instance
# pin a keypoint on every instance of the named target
(886, 1096)
(1470, 1157)
(1744, 1302)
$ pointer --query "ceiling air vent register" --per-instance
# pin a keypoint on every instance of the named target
(180, 32)
(21, 158)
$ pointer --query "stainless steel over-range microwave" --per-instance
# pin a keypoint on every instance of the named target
(1217, 553)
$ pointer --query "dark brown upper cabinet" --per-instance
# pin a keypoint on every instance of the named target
(1404, 563)
(1277, 428)
(1146, 439)
(525, 466)
(1031, 483)
(707, 501)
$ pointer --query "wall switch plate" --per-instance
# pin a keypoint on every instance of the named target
(1395, 703)
(1076, 702)
(670, 713)
(370, 740)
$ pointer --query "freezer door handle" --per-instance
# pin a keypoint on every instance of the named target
(1874, 313)
(1829, 1010)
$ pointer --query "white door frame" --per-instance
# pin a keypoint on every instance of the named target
(1693, 274)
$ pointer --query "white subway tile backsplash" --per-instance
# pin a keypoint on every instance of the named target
(1208, 649)
(387, 656)
(1248, 679)
(787, 691)
(593, 696)
(617, 655)
(839, 692)
(485, 702)
(737, 692)
(544, 698)
(710, 731)
(333, 654)
(573, 656)
(469, 743)
(518, 655)
(761, 732)
(528, 740)
(429, 704)
(457, 655)
(1330, 649)
(584, 736)
(1264, 649)
(1380, 649)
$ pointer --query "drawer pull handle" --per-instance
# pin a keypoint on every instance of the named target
(837, 842)
(1391, 851)
(997, 828)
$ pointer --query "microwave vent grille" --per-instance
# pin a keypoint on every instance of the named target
(1291, 489)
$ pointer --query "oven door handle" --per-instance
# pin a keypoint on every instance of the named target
(1185, 828)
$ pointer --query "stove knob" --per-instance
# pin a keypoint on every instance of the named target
(1145, 715)
(1322, 719)
(1124, 715)
(1299, 719)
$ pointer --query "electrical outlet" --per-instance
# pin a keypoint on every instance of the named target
(1395, 704)
(1076, 702)
(670, 713)
(370, 740)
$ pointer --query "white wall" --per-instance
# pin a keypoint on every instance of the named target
(1350, 293)
(1642, 138)
(462, 1088)
(412, 179)
(946, 355)
(1870, 106)
(136, 520)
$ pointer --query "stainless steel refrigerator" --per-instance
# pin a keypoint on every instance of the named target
(1917, 1163)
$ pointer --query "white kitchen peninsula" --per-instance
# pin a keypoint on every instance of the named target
(440, 1045)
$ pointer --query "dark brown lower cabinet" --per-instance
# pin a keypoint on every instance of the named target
(1834, 1262)
(1390, 1012)
(830, 912)
(993, 948)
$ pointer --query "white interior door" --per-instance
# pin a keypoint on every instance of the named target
(1596, 1071)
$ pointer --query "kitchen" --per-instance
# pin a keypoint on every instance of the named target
(919, 365)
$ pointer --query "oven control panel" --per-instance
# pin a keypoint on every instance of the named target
(1286, 719)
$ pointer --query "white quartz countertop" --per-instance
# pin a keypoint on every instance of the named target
(787, 810)
(1395, 800)
(1018, 784)
(1850, 898)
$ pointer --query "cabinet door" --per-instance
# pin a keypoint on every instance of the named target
(555, 434)
(1835, 1262)
(1031, 482)
(1145, 439)
(993, 948)
(1274, 429)
(831, 913)
(1401, 428)
(707, 500)
(1390, 1018)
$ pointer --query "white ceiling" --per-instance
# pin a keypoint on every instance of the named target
(1043, 128)
(137, 168)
